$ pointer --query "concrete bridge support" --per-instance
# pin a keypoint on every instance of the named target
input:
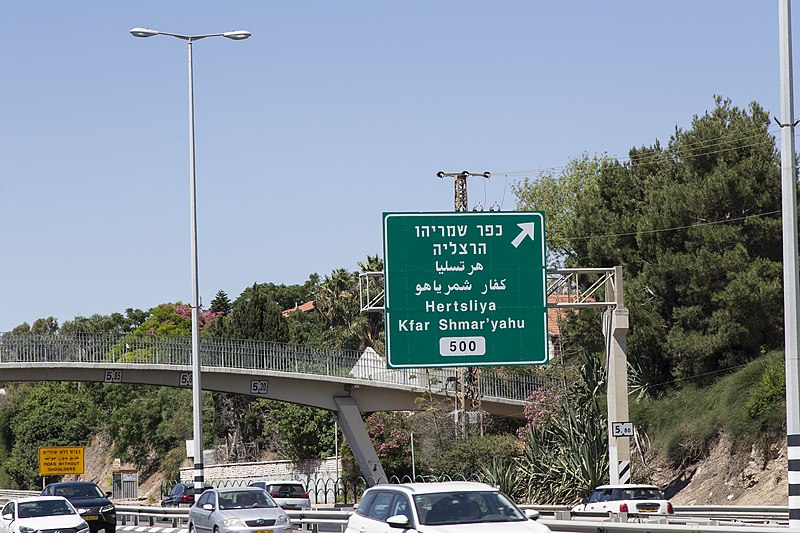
(349, 417)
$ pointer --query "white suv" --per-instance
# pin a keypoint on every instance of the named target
(440, 508)
(625, 499)
(288, 494)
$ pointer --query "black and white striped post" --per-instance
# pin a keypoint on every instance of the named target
(791, 278)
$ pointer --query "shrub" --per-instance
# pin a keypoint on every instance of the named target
(471, 456)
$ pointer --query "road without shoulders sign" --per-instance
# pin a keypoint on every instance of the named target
(465, 289)
(60, 460)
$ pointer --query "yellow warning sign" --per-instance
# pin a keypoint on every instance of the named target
(60, 460)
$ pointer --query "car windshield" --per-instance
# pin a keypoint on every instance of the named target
(78, 491)
(44, 508)
(287, 491)
(446, 508)
(244, 499)
(641, 493)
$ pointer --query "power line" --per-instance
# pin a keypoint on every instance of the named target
(676, 228)
(710, 145)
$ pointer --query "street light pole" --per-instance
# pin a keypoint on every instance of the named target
(197, 391)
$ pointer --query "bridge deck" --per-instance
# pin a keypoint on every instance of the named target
(246, 357)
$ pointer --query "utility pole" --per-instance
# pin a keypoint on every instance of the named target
(468, 378)
(791, 279)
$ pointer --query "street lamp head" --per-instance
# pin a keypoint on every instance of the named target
(237, 35)
(143, 32)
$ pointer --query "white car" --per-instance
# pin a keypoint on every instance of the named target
(288, 494)
(237, 510)
(41, 513)
(625, 499)
(440, 508)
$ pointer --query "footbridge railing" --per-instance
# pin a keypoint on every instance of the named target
(252, 354)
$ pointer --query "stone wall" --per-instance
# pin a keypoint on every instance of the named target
(319, 476)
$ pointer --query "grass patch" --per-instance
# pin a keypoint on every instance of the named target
(748, 405)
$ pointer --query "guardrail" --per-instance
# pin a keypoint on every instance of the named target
(703, 519)
(687, 519)
(662, 525)
(150, 515)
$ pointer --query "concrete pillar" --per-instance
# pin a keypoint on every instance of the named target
(616, 332)
(354, 430)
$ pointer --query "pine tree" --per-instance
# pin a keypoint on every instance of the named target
(221, 304)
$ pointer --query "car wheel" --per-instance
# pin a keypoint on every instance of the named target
(216, 529)
(191, 527)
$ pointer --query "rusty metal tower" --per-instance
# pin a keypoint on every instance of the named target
(469, 383)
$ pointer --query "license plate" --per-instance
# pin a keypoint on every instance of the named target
(262, 531)
(91, 517)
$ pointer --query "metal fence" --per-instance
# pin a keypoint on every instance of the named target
(251, 354)
(337, 491)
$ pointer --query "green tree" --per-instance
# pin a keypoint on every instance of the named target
(45, 326)
(559, 196)
(695, 227)
(305, 328)
(221, 304)
(373, 264)
(257, 316)
(147, 423)
(113, 323)
(22, 328)
(254, 315)
(50, 414)
(298, 432)
(338, 303)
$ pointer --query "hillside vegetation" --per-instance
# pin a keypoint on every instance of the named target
(695, 226)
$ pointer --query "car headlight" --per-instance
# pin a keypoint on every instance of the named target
(233, 522)
(83, 527)
(107, 508)
(282, 520)
(26, 529)
(83, 510)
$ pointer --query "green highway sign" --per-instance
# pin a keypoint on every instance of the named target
(465, 289)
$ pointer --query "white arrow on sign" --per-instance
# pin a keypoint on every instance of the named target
(527, 231)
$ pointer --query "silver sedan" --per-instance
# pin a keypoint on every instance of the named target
(240, 509)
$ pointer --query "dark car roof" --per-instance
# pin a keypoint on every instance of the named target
(101, 499)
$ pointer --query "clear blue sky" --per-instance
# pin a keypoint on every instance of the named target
(330, 114)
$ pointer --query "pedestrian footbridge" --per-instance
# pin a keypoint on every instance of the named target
(344, 381)
(287, 372)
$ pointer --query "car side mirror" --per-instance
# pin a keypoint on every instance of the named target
(398, 521)
(8, 517)
(208, 506)
(108, 494)
(532, 514)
